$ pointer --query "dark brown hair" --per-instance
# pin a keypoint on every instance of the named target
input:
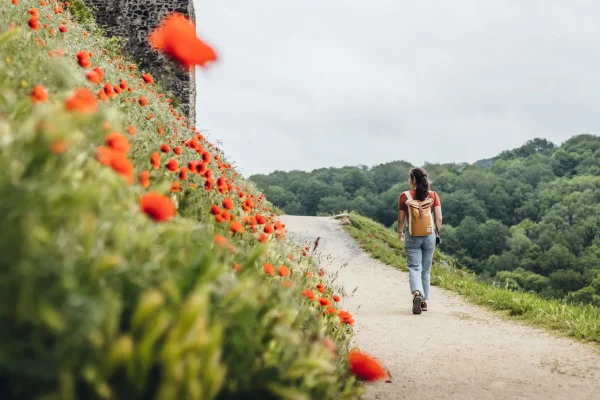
(419, 177)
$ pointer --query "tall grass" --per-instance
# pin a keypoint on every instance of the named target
(100, 301)
(579, 321)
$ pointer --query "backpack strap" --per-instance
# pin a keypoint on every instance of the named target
(408, 196)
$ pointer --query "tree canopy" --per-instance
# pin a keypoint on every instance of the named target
(528, 218)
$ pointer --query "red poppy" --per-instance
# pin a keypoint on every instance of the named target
(225, 216)
(101, 95)
(123, 166)
(220, 240)
(155, 160)
(215, 210)
(158, 207)
(175, 187)
(108, 89)
(172, 165)
(117, 161)
(33, 23)
(324, 302)
(82, 101)
(320, 288)
(236, 227)
(39, 94)
(309, 294)
(263, 238)
(83, 58)
(287, 284)
(117, 142)
(331, 311)
(283, 271)
(346, 317)
(131, 130)
(34, 12)
(365, 367)
(104, 155)
(192, 166)
(95, 75)
(177, 150)
(144, 179)
(182, 174)
(269, 269)
(143, 101)
(201, 168)
(228, 204)
(62, 28)
(148, 78)
(336, 298)
(176, 37)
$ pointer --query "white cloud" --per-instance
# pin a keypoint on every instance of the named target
(309, 84)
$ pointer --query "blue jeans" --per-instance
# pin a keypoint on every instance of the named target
(419, 255)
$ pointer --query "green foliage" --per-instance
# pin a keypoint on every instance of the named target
(536, 207)
(530, 148)
(81, 14)
(521, 279)
(98, 301)
(579, 321)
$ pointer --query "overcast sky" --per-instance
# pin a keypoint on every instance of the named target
(304, 84)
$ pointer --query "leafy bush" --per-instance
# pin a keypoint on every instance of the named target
(100, 299)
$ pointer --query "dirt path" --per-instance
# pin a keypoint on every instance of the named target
(453, 351)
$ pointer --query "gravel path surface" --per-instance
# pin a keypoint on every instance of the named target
(453, 351)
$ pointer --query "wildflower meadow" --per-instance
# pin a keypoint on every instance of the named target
(135, 261)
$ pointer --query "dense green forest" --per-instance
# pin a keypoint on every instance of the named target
(528, 218)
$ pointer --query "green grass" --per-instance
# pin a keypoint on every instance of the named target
(98, 300)
(581, 321)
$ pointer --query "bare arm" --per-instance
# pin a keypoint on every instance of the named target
(401, 219)
(438, 217)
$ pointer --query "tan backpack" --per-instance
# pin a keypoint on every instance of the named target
(420, 217)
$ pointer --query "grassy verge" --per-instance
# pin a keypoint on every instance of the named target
(581, 322)
(135, 262)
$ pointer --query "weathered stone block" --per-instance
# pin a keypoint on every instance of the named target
(133, 20)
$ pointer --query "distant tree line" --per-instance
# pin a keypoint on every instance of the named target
(528, 218)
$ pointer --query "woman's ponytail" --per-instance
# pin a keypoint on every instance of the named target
(419, 177)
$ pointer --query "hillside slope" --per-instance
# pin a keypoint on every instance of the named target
(134, 261)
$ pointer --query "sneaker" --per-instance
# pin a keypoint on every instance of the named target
(417, 304)
(423, 306)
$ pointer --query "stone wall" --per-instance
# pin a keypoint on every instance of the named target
(132, 20)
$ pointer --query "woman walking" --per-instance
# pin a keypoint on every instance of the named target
(423, 210)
